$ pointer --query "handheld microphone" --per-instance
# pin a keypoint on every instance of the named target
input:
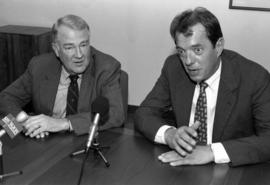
(100, 107)
(11, 126)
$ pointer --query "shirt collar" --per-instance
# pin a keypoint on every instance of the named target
(65, 74)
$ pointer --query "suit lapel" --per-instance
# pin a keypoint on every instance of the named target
(226, 99)
(184, 90)
(49, 86)
(87, 86)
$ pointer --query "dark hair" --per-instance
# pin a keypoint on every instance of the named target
(72, 21)
(182, 23)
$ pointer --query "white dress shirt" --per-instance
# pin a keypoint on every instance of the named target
(218, 149)
(60, 103)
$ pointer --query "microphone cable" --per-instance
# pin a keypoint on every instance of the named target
(83, 166)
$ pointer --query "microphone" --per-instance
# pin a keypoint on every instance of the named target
(11, 126)
(100, 108)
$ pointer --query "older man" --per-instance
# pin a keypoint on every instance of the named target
(62, 85)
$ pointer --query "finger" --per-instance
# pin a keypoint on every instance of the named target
(180, 162)
(184, 139)
(169, 157)
(36, 132)
(179, 149)
(42, 134)
(196, 125)
(189, 136)
(30, 123)
(184, 144)
(191, 132)
(31, 129)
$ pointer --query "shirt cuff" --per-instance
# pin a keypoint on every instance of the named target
(160, 136)
(220, 153)
(70, 126)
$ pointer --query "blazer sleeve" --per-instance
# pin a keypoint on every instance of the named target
(148, 117)
(254, 148)
(17, 94)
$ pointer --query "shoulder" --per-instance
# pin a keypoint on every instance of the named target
(103, 61)
(44, 62)
(241, 64)
(173, 64)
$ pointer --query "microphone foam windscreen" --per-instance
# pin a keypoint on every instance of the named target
(100, 105)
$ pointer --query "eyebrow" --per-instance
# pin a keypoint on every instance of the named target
(192, 46)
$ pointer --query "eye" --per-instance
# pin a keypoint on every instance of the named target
(68, 48)
(84, 44)
(181, 52)
(198, 50)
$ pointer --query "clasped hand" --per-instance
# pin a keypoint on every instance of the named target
(186, 152)
(39, 126)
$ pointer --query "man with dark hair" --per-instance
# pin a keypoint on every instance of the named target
(220, 100)
(62, 85)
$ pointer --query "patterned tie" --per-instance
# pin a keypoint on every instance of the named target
(201, 114)
(72, 95)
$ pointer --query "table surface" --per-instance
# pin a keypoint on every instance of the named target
(133, 161)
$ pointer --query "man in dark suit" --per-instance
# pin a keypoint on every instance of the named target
(47, 83)
(220, 100)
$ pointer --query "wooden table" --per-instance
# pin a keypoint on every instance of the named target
(133, 161)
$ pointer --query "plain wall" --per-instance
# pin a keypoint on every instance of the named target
(136, 32)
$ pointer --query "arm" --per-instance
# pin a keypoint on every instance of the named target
(18, 94)
(255, 147)
(148, 117)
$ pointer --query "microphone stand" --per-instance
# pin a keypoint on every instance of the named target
(2, 174)
(97, 150)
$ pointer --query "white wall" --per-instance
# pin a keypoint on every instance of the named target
(136, 32)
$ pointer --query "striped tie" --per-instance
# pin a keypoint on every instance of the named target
(72, 95)
(201, 114)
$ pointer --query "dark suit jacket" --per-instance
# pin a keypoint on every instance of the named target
(40, 81)
(242, 118)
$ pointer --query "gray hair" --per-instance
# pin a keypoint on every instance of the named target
(72, 21)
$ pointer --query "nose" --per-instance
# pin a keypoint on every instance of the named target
(78, 52)
(189, 59)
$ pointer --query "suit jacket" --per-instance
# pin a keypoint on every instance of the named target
(40, 81)
(242, 118)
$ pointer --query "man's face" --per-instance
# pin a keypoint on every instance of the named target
(199, 57)
(73, 49)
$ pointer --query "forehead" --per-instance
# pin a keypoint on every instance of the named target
(196, 35)
(66, 34)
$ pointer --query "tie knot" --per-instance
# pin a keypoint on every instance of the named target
(73, 78)
(203, 86)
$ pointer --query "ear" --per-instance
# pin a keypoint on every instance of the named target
(219, 46)
(55, 48)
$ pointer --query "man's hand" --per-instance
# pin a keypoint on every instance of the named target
(200, 155)
(40, 125)
(183, 138)
(22, 117)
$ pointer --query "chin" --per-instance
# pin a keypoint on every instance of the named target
(196, 79)
(80, 70)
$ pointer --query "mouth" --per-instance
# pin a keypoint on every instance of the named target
(80, 62)
(193, 72)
